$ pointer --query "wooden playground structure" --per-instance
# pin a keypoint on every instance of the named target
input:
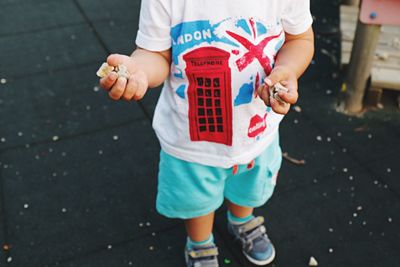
(371, 48)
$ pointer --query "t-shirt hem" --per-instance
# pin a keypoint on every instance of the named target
(217, 160)
(152, 44)
(299, 29)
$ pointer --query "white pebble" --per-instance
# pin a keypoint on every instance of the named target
(64, 210)
(148, 224)
(55, 138)
(109, 247)
(364, 223)
(96, 88)
(330, 250)
(26, 206)
(375, 182)
(141, 224)
(350, 222)
(9, 259)
(319, 138)
(2, 139)
(297, 108)
(389, 170)
(100, 152)
(328, 92)
(355, 215)
(151, 248)
(328, 139)
(339, 134)
(345, 170)
(296, 121)
(3, 81)
(369, 136)
(359, 208)
(331, 230)
(390, 220)
(313, 262)
(115, 137)
(20, 134)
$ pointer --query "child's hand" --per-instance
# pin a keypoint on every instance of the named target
(120, 87)
(288, 79)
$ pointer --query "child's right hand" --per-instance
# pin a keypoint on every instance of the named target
(134, 87)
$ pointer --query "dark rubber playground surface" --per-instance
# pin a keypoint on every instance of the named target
(78, 170)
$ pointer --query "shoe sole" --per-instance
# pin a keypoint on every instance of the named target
(261, 263)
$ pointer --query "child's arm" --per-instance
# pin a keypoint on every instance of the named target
(146, 69)
(292, 60)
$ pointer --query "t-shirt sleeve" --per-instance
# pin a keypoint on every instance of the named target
(296, 17)
(154, 25)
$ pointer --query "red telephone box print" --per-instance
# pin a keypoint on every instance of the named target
(210, 95)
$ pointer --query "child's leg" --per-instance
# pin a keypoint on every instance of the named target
(199, 229)
(239, 211)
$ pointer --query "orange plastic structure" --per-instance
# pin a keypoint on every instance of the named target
(384, 12)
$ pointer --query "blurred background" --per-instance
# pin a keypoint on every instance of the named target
(78, 170)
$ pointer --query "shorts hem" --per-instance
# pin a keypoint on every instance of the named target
(247, 202)
(174, 214)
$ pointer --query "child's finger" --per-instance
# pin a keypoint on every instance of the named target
(263, 93)
(142, 88)
(108, 81)
(278, 107)
(275, 77)
(131, 88)
(116, 59)
(118, 89)
(289, 97)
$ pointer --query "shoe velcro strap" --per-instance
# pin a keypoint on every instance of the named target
(251, 225)
(208, 252)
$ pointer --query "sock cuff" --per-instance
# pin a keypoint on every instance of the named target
(237, 220)
(190, 243)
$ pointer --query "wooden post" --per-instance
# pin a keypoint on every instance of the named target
(362, 55)
(351, 2)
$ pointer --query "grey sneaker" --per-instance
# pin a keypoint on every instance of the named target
(256, 245)
(203, 256)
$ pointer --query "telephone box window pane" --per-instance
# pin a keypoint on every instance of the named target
(219, 119)
(217, 102)
(209, 112)
(208, 102)
(203, 128)
(217, 92)
(216, 82)
(208, 92)
(220, 128)
(218, 111)
(201, 102)
(210, 120)
(208, 82)
(201, 111)
(200, 81)
(211, 128)
(199, 92)
(202, 120)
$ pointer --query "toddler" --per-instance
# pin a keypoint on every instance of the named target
(216, 119)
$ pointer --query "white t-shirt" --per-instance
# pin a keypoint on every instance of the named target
(208, 111)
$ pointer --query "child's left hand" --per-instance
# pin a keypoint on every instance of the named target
(287, 78)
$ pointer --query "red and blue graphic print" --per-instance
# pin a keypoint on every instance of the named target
(207, 54)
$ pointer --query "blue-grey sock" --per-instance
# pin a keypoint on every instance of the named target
(237, 220)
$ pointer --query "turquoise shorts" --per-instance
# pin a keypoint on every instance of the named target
(188, 190)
